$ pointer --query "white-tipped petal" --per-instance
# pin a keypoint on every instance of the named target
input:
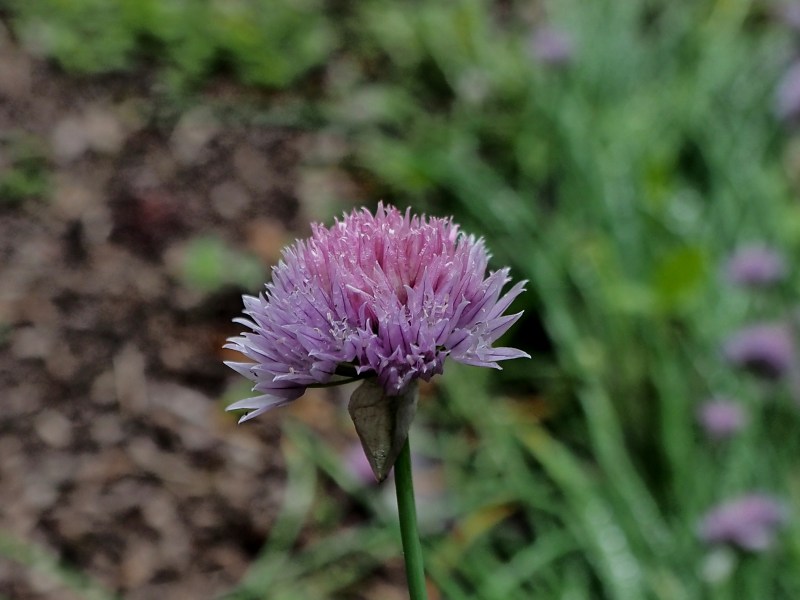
(262, 403)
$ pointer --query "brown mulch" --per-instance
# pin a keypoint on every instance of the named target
(115, 454)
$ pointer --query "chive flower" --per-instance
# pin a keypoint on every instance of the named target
(721, 417)
(755, 266)
(552, 47)
(749, 522)
(388, 296)
(787, 97)
(765, 350)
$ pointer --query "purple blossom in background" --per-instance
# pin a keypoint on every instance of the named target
(721, 418)
(389, 295)
(755, 266)
(749, 522)
(787, 100)
(789, 13)
(552, 47)
(765, 350)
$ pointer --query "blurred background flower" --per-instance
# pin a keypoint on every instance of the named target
(749, 522)
(552, 46)
(787, 99)
(789, 14)
(766, 350)
(721, 417)
(755, 266)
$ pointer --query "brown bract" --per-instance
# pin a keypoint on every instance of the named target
(382, 423)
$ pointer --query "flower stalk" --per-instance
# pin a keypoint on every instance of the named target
(407, 511)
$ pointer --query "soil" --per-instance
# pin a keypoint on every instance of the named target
(116, 457)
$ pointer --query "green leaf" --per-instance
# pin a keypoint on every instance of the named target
(679, 275)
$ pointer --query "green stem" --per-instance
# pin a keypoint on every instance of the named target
(407, 511)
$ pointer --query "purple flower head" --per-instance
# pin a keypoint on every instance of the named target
(721, 418)
(787, 98)
(755, 266)
(765, 350)
(789, 14)
(552, 47)
(389, 296)
(749, 522)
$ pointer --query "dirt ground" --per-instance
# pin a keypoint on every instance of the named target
(115, 455)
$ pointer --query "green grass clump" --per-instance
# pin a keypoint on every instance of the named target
(261, 42)
(27, 175)
(209, 264)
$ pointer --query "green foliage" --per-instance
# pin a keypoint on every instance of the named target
(27, 174)
(86, 36)
(261, 41)
(209, 264)
(49, 567)
(678, 274)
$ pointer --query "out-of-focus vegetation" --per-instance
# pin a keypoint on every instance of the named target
(260, 41)
(617, 178)
(208, 265)
(27, 177)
